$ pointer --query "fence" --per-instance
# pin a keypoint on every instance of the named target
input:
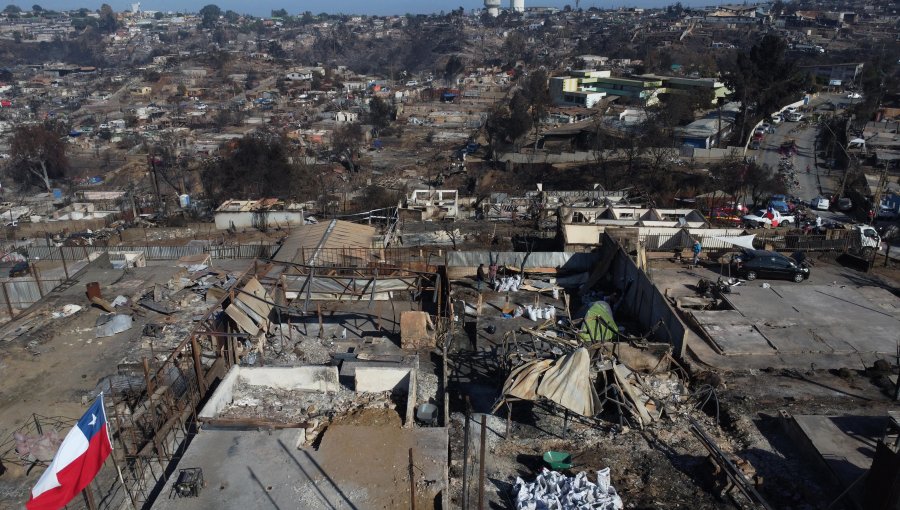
(17, 294)
(241, 251)
(417, 259)
(835, 241)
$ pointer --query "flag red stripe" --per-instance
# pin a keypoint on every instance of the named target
(76, 476)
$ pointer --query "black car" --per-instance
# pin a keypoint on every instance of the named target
(753, 264)
(20, 269)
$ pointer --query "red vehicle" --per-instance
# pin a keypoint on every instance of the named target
(5, 103)
(727, 214)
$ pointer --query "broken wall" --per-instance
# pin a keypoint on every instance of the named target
(643, 299)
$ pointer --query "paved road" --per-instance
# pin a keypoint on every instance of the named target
(819, 180)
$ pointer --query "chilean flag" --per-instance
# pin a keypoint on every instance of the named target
(76, 463)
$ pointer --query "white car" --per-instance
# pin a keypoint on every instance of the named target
(776, 119)
(820, 203)
(760, 218)
(854, 95)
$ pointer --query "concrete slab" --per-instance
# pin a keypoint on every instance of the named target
(826, 319)
(845, 444)
(732, 333)
(354, 467)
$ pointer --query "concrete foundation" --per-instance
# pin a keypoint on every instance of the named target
(354, 467)
(304, 378)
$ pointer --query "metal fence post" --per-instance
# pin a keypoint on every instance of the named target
(8, 303)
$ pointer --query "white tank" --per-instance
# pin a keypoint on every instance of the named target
(517, 5)
(492, 7)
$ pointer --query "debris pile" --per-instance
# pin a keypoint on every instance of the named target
(290, 406)
(555, 491)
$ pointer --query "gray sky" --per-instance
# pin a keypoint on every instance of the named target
(265, 7)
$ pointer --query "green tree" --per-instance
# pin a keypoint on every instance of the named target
(231, 16)
(763, 80)
(380, 113)
(107, 22)
(515, 46)
(12, 9)
(158, 15)
(279, 13)
(37, 9)
(209, 14)
(454, 66)
(535, 92)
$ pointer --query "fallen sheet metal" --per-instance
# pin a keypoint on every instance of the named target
(568, 383)
(251, 308)
(631, 387)
(523, 381)
(111, 324)
(156, 306)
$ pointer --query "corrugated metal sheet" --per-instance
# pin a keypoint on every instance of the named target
(569, 261)
(663, 238)
(304, 241)
(23, 292)
(243, 251)
(350, 286)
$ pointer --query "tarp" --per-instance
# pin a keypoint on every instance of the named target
(740, 241)
(568, 383)
(599, 324)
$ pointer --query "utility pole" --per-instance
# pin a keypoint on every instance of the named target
(876, 198)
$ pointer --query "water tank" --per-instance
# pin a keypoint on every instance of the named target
(184, 201)
(517, 5)
(492, 7)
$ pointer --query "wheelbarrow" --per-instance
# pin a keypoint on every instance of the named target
(558, 460)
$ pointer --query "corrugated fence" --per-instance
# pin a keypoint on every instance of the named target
(242, 251)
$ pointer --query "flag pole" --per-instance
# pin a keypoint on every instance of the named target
(89, 497)
(122, 481)
(112, 455)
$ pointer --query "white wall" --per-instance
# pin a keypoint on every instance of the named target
(304, 378)
(246, 219)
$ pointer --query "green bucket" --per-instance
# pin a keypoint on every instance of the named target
(558, 460)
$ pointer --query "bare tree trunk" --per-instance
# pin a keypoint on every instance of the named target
(42, 175)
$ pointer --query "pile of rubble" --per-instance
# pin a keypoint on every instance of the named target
(315, 409)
